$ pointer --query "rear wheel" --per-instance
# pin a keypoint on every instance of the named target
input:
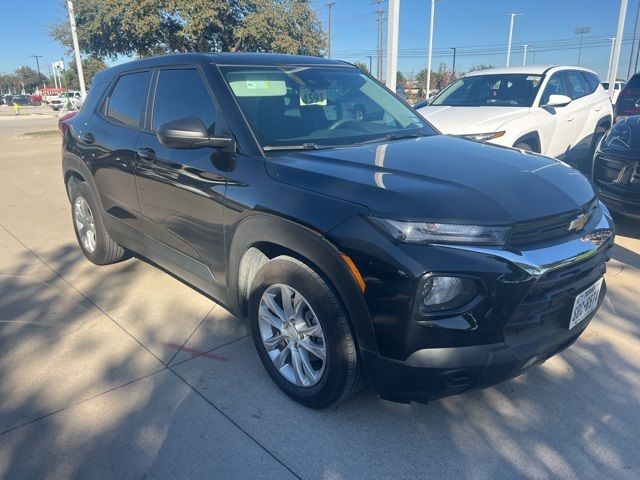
(524, 146)
(302, 334)
(93, 238)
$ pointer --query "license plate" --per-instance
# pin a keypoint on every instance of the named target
(585, 303)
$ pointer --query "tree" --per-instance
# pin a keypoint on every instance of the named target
(400, 78)
(108, 28)
(30, 78)
(90, 66)
(362, 66)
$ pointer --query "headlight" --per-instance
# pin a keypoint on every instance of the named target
(483, 137)
(416, 232)
(443, 293)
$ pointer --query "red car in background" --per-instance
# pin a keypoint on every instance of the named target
(63, 122)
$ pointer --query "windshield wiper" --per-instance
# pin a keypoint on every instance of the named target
(304, 146)
(392, 137)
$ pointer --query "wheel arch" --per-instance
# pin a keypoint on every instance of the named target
(259, 238)
(531, 138)
(73, 167)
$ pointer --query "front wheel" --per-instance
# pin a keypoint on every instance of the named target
(302, 334)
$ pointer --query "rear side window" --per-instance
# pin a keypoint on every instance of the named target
(577, 84)
(127, 99)
(181, 93)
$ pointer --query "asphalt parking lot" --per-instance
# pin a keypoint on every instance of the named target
(124, 372)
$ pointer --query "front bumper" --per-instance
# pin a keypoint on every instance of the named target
(522, 335)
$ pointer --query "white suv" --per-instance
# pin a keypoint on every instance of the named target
(557, 111)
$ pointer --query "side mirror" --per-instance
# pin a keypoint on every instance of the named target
(189, 133)
(557, 101)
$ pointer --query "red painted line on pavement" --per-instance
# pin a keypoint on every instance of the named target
(196, 352)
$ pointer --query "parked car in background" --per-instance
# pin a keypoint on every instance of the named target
(74, 97)
(377, 249)
(558, 111)
(22, 100)
(36, 100)
(617, 88)
(616, 167)
(628, 103)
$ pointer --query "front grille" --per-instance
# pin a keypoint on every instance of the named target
(551, 297)
(617, 174)
(550, 228)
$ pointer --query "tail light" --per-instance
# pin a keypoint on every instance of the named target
(63, 122)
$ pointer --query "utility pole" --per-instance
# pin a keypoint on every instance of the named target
(431, 21)
(453, 69)
(76, 48)
(329, 6)
(380, 20)
(38, 57)
(524, 55)
(581, 31)
(370, 61)
(617, 47)
(613, 43)
(633, 44)
(392, 43)
(512, 15)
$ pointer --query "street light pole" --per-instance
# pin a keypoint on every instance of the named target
(617, 47)
(392, 43)
(524, 55)
(76, 48)
(38, 57)
(613, 43)
(513, 16)
(330, 5)
(581, 31)
(431, 20)
(453, 69)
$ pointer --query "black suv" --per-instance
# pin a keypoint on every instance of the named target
(358, 247)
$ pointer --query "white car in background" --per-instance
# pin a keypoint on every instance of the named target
(617, 88)
(554, 110)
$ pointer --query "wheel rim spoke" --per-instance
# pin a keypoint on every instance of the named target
(85, 224)
(313, 349)
(292, 335)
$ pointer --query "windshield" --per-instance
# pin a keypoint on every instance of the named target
(316, 107)
(492, 90)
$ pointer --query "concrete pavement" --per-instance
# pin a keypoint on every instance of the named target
(125, 372)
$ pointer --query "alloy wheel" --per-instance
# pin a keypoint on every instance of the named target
(85, 224)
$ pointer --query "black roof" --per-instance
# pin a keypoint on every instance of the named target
(223, 58)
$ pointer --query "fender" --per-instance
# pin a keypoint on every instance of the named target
(261, 229)
(73, 164)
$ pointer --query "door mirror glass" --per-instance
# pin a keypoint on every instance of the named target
(189, 133)
(557, 101)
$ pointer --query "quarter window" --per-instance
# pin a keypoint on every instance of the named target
(127, 100)
(181, 93)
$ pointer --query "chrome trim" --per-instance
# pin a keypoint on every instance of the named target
(539, 261)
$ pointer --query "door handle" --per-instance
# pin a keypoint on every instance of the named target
(598, 108)
(86, 138)
(571, 118)
(146, 154)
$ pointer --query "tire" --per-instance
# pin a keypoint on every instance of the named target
(524, 146)
(98, 247)
(340, 375)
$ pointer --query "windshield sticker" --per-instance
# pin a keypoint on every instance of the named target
(258, 87)
(310, 96)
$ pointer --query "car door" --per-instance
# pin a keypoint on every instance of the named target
(107, 142)
(583, 108)
(181, 191)
(554, 123)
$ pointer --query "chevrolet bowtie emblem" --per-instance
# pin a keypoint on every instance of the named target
(578, 223)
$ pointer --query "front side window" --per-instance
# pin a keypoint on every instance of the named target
(312, 107)
(496, 90)
(555, 86)
(181, 93)
(127, 99)
(577, 84)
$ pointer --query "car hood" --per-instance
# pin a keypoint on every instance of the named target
(438, 178)
(466, 120)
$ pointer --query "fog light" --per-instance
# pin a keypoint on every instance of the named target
(441, 293)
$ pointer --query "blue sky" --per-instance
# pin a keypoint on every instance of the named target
(478, 28)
